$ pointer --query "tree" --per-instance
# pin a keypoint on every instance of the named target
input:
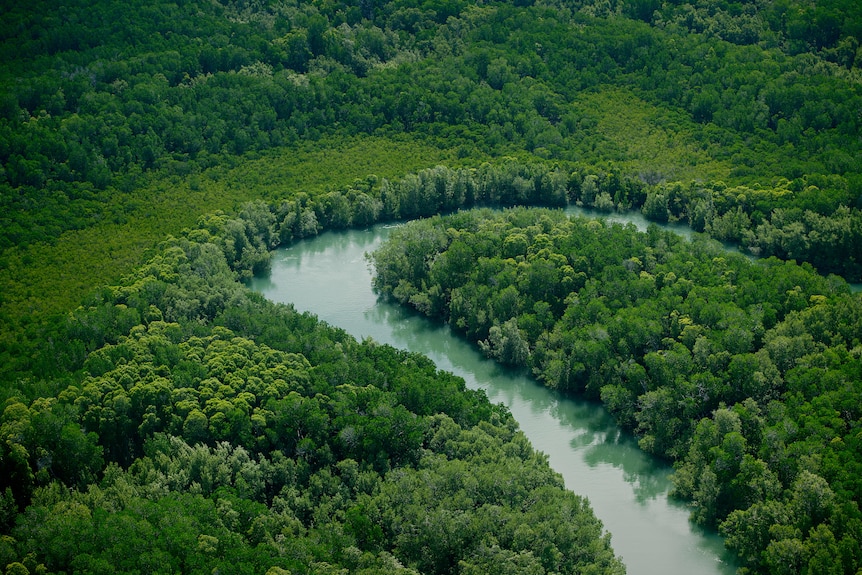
(655, 207)
(196, 427)
(506, 344)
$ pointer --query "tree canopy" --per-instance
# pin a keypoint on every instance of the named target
(153, 153)
(744, 374)
(208, 429)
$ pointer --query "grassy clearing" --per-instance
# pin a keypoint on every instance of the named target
(648, 138)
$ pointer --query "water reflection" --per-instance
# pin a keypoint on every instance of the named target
(647, 480)
(637, 219)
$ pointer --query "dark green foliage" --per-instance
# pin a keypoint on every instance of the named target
(663, 332)
(96, 102)
(177, 403)
(209, 429)
(744, 374)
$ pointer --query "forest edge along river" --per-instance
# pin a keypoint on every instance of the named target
(329, 276)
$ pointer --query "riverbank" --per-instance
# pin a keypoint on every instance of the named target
(628, 490)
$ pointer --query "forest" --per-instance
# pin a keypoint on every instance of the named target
(745, 375)
(158, 417)
(184, 446)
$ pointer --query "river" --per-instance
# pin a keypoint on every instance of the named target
(628, 490)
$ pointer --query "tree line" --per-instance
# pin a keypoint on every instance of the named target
(182, 423)
(667, 334)
(95, 103)
(101, 99)
(744, 374)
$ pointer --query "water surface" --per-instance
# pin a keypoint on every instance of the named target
(628, 490)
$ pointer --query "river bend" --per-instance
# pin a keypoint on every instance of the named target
(628, 490)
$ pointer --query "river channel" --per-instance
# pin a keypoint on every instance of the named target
(628, 490)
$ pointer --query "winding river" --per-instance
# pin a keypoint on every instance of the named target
(628, 490)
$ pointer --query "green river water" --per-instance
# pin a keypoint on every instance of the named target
(628, 490)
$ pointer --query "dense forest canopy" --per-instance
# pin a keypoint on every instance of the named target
(183, 446)
(99, 95)
(106, 107)
(162, 149)
(746, 375)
